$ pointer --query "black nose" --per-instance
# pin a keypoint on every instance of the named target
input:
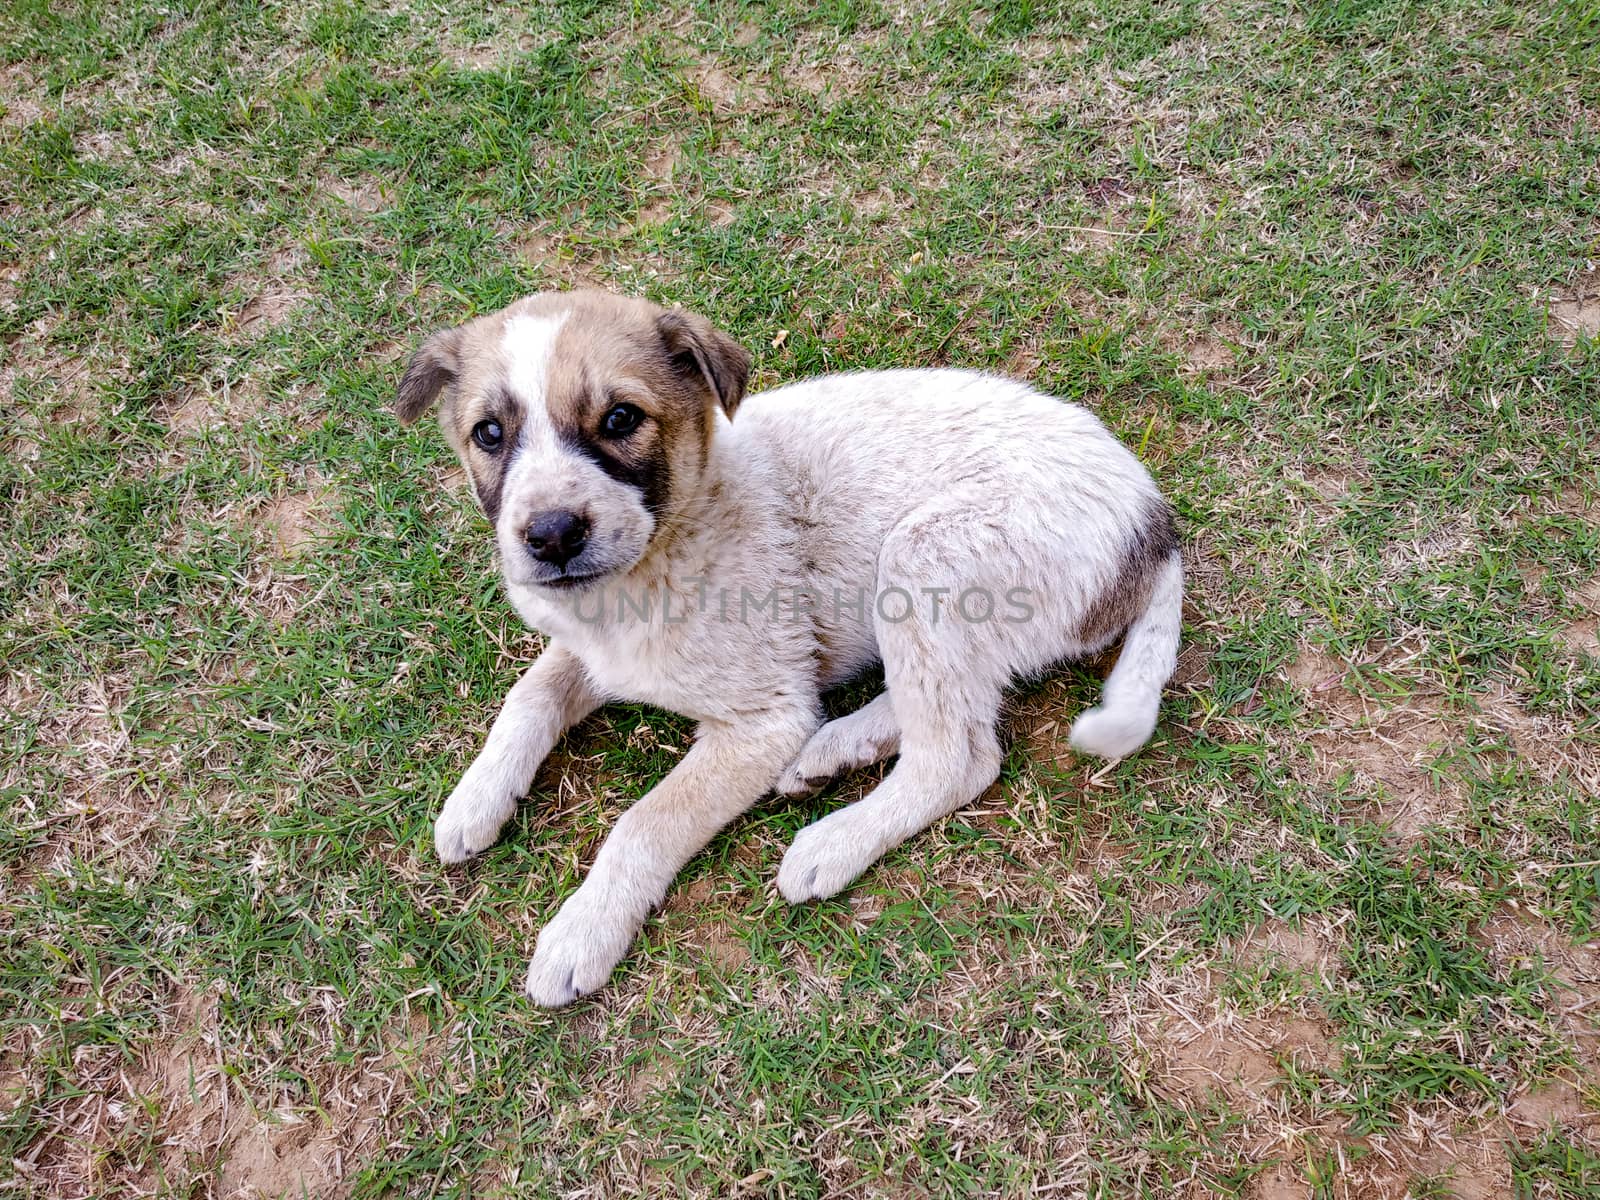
(556, 537)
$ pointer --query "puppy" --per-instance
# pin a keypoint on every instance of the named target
(731, 559)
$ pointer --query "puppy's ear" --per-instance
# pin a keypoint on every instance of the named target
(431, 369)
(701, 351)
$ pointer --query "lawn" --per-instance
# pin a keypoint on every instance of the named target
(1331, 266)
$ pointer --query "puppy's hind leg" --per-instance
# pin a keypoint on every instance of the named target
(947, 758)
(945, 678)
(868, 735)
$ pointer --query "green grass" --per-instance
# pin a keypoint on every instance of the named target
(1303, 255)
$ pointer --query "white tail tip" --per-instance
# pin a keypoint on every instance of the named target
(1111, 734)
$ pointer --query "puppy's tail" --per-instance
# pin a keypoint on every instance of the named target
(1127, 715)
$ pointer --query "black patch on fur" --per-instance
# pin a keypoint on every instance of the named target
(489, 492)
(648, 474)
(1154, 541)
(496, 466)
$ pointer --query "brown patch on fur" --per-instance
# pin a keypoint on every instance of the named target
(435, 366)
(610, 349)
(1151, 545)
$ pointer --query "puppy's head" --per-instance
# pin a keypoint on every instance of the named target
(584, 421)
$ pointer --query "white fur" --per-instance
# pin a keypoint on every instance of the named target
(902, 479)
(545, 474)
(527, 345)
(1127, 718)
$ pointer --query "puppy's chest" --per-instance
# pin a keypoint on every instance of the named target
(709, 651)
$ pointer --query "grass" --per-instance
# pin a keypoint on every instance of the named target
(1330, 265)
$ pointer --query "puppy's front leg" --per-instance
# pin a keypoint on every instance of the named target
(553, 695)
(727, 770)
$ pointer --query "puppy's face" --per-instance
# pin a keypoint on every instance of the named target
(583, 420)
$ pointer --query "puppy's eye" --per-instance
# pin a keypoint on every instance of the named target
(621, 420)
(487, 435)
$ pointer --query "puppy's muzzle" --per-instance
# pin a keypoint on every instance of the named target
(556, 537)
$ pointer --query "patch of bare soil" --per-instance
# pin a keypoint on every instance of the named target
(1583, 635)
(270, 305)
(367, 194)
(102, 810)
(1328, 482)
(1516, 936)
(1552, 744)
(1433, 539)
(275, 1161)
(1385, 749)
(661, 163)
(484, 56)
(293, 522)
(1470, 1160)
(1206, 354)
(1277, 943)
(1468, 1151)
(725, 93)
(567, 265)
(640, 1086)
(17, 110)
(213, 404)
(1193, 1048)
(179, 1117)
(1575, 312)
(1281, 1180)
(66, 380)
(1239, 1057)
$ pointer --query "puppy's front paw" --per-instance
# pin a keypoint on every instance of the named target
(796, 782)
(577, 950)
(472, 818)
(826, 857)
(836, 749)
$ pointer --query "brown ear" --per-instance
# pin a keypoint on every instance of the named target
(699, 349)
(432, 368)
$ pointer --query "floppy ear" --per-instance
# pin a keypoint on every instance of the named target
(701, 351)
(432, 368)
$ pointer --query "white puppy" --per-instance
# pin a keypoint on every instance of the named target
(732, 561)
